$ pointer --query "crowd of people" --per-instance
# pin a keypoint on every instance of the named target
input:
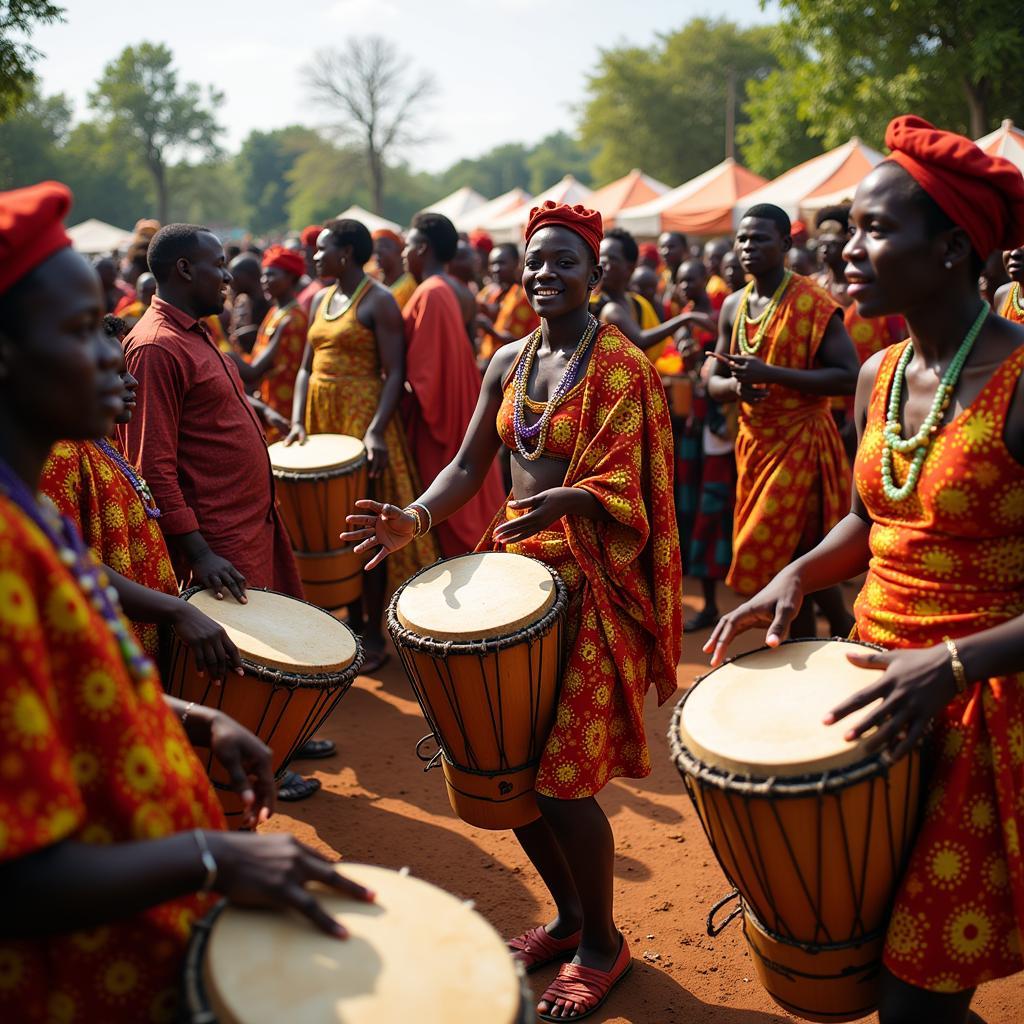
(851, 402)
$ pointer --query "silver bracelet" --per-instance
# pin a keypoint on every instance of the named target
(188, 711)
(209, 862)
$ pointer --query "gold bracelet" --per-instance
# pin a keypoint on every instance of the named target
(426, 515)
(959, 673)
(413, 511)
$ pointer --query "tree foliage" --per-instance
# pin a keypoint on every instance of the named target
(264, 163)
(17, 18)
(554, 157)
(140, 98)
(663, 108)
(30, 140)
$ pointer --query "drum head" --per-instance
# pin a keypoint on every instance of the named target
(417, 954)
(281, 632)
(473, 597)
(320, 454)
(761, 713)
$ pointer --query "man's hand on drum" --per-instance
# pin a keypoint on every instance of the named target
(381, 527)
(210, 645)
(775, 607)
(218, 574)
(274, 870)
(296, 435)
(376, 452)
(247, 760)
(543, 510)
(914, 686)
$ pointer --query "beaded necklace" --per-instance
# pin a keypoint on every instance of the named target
(132, 475)
(764, 319)
(349, 302)
(919, 444)
(539, 430)
(75, 556)
(1015, 298)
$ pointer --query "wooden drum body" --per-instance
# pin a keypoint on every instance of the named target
(317, 486)
(299, 661)
(481, 638)
(811, 830)
(416, 954)
(679, 392)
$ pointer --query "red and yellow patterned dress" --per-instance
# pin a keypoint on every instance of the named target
(87, 754)
(1013, 306)
(278, 384)
(949, 560)
(89, 488)
(344, 391)
(625, 578)
(793, 477)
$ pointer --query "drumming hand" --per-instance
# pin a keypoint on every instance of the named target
(914, 687)
(210, 645)
(247, 760)
(376, 452)
(544, 509)
(273, 871)
(277, 421)
(775, 606)
(218, 574)
(387, 528)
(296, 433)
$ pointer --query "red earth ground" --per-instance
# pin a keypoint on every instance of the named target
(377, 805)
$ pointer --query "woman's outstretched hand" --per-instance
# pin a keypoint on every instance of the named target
(382, 528)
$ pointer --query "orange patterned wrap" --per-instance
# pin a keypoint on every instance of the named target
(91, 756)
(515, 317)
(344, 391)
(1013, 306)
(278, 385)
(89, 488)
(793, 476)
(949, 560)
(625, 576)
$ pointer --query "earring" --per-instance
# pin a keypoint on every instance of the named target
(949, 264)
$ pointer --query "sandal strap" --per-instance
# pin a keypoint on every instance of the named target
(586, 986)
(541, 946)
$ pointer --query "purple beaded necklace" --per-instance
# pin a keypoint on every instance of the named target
(75, 556)
(132, 475)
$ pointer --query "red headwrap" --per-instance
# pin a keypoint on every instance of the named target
(31, 228)
(285, 259)
(586, 223)
(481, 241)
(649, 254)
(798, 232)
(388, 233)
(310, 235)
(982, 194)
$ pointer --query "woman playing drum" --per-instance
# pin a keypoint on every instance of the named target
(592, 486)
(110, 835)
(939, 524)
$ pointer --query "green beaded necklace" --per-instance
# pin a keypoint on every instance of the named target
(921, 441)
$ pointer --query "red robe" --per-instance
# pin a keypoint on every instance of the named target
(445, 383)
(201, 449)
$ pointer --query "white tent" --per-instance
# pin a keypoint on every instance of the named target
(370, 220)
(511, 227)
(461, 203)
(95, 237)
(492, 210)
(1006, 141)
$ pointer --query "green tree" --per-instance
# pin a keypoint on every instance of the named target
(140, 98)
(495, 172)
(663, 108)
(263, 165)
(17, 18)
(207, 193)
(30, 139)
(324, 181)
(554, 157)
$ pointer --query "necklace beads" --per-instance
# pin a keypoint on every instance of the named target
(1015, 298)
(920, 443)
(743, 318)
(349, 302)
(133, 476)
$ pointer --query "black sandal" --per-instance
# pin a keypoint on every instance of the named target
(293, 787)
(313, 750)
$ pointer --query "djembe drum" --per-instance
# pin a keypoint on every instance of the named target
(812, 830)
(299, 661)
(317, 486)
(481, 638)
(416, 954)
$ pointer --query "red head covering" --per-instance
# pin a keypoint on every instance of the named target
(285, 259)
(310, 234)
(388, 233)
(798, 232)
(586, 223)
(649, 254)
(982, 194)
(31, 228)
(481, 241)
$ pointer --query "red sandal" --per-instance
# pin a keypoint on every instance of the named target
(585, 986)
(537, 948)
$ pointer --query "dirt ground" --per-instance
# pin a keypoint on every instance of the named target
(377, 805)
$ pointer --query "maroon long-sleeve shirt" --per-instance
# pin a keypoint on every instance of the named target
(201, 448)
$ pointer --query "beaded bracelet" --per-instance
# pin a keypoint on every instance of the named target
(207, 859)
(959, 672)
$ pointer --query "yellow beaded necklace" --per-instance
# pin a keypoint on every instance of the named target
(763, 319)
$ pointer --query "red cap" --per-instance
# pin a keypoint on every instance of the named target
(310, 234)
(798, 232)
(982, 194)
(649, 253)
(388, 233)
(285, 259)
(586, 223)
(31, 228)
(481, 241)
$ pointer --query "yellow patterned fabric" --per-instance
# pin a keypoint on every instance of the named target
(402, 289)
(344, 391)
(949, 560)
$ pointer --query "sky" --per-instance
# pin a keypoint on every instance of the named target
(507, 70)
